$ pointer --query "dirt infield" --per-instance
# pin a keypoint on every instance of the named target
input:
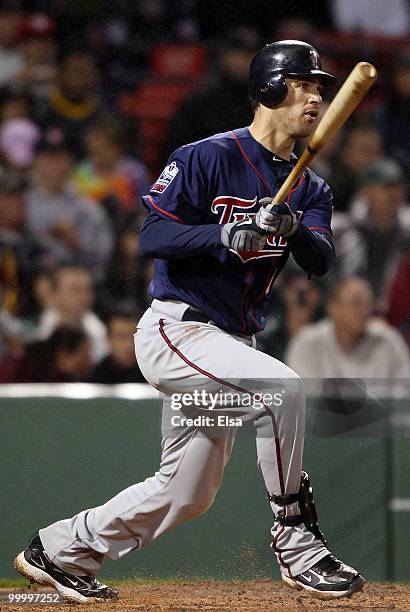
(238, 596)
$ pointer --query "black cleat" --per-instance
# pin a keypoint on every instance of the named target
(329, 578)
(34, 564)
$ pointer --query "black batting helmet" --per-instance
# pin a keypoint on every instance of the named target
(285, 58)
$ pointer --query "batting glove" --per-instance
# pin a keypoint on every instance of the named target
(278, 221)
(243, 236)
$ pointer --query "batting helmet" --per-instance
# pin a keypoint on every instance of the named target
(285, 58)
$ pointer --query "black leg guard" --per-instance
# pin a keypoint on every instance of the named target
(307, 515)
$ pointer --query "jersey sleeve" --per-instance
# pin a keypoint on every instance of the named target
(311, 245)
(317, 215)
(180, 193)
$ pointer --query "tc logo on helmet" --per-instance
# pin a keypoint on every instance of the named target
(314, 58)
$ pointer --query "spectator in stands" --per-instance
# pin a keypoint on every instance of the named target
(295, 27)
(147, 22)
(218, 17)
(15, 103)
(390, 18)
(393, 117)
(38, 297)
(125, 282)
(11, 58)
(72, 300)
(11, 332)
(120, 365)
(39, 51)
(223, 105)
(350, 343)
(18, 139)
(108, 174)
(361, 144)
(301, 303)
(131, 30)
(74, 102)
(20, 253)
(122, 53)
(19, 133)
(372, 240)
(64, 357)
(398, 312)
(67, 225)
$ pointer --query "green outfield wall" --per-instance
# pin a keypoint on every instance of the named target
(63, 454)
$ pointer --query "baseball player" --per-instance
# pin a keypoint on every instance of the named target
(218, 249)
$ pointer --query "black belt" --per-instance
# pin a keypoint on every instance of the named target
(195, 315)
(192, 314)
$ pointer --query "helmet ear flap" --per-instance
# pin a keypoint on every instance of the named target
(273, 93)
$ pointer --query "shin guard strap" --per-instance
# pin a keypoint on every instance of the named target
(283, 500)
(289, 521)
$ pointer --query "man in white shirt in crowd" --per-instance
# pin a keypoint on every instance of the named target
(350, 342)
(72, 300)
(371, 239)
(67, 225)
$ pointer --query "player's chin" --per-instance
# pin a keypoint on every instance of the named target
(307, 125)
(305, 131)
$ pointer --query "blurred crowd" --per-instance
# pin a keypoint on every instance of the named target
(94, 96)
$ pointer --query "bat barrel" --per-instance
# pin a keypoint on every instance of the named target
(343, 104)
(367, 71)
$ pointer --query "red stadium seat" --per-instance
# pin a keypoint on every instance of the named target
(179, 61)
(175, 72)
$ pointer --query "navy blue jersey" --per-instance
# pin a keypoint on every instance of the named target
(204, 185)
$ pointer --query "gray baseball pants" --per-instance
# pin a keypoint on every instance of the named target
(179, 357)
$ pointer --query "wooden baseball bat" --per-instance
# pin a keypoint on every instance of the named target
(343, 104)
